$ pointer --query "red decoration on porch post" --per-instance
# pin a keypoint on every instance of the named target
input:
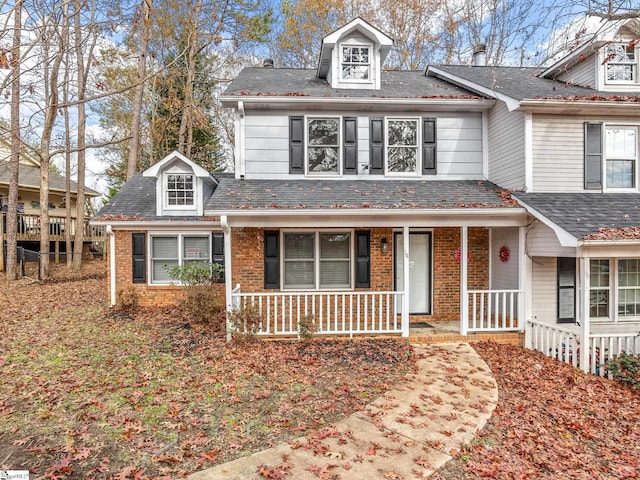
(504, 253)
(456, 254)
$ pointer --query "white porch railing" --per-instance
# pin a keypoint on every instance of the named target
(554, 341)
(331, 313)
(564, 345)
(494, 310)
(606, 346)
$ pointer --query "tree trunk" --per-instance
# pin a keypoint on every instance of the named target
(81, 145)
(185, 134)
(134, 144)
(14, 162)
(50, 113)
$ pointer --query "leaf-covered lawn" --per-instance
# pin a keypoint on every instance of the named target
(92, 393)
(552, 422)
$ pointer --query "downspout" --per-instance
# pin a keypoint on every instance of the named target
(112, 265)
(226, 230)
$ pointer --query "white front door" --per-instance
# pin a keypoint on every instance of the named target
(419, 271)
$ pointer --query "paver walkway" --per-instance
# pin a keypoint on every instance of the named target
(407, 433)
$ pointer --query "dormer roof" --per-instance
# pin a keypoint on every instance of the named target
(175, 157)
(608, 31)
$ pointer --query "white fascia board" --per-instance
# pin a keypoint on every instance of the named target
(294, 102)
(511, 103)
(564, 237)
(157, 225)
(155, 169)
(496, 217)
(581, 106)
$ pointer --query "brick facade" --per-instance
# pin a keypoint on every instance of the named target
(247, 246)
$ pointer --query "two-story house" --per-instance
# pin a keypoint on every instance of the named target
(377, 201)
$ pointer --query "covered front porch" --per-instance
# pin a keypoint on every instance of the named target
(468, 279)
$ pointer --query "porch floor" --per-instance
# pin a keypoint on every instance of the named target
(443, 332)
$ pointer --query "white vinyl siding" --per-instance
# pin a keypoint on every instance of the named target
(506, 147)
(558, 154)
(584, 73)
(504, 275)
(542, 241)
(459, 145)
(544, 294)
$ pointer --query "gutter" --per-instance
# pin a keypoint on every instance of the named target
(367, 212)
(232, 101)
(154, 224)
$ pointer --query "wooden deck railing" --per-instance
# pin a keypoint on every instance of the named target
(28, 228)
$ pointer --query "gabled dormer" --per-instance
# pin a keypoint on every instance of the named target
(352, 56)
(181, 186)
(609, 61)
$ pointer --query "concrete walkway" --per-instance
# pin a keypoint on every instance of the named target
(407, 433)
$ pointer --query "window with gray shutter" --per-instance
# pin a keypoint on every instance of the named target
(593, 155)
(296, 145)
(376, 144)
(429, 146)
(350, 148)
(218, 253)
(139, 255)
(271, 259)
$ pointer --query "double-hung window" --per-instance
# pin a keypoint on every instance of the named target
(621, 156)
(356, 63)
(172, 250)
(180, 189)
(402, 153)
(621, 63)
(323, 146)
(317, 260)
(599, 293)
(628, 288)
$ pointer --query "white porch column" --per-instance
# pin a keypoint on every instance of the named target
(524, 282)
(405, 271)
(227, 268)
(464, 295)
(584, 313)
(112, 265)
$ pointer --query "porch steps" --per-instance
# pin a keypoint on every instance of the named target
(507, 338)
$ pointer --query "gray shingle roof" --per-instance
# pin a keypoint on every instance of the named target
(327, 194)
(29, 176)
(303, 82)
(523, 83)
(582, 214)
(137, 198)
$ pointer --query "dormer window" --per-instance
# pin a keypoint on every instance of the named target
(180, 190)
(356, 63)
(621, 63)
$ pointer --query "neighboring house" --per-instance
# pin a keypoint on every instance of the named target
(496, 197)
(28, 229)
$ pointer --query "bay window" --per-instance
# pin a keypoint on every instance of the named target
(317, 260)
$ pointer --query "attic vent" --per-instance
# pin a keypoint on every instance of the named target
(479, 55)
(267, 63)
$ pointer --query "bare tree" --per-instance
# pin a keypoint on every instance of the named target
(51, 61)
(16, 144)
(136, 114)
